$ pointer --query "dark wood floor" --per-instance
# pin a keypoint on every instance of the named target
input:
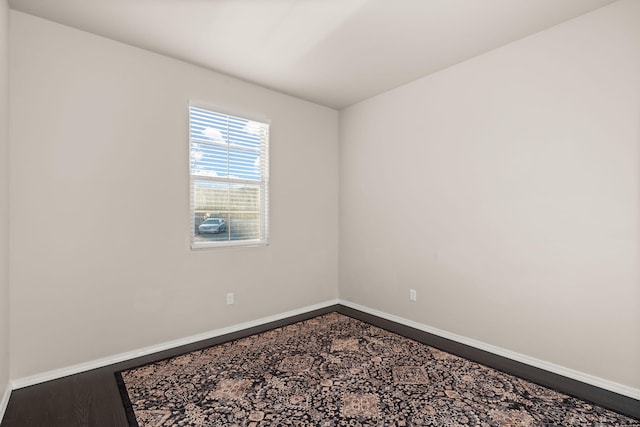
(93, 399)
(88, 399)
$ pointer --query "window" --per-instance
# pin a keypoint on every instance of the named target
(229, 167)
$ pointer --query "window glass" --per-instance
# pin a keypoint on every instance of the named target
(229, 179)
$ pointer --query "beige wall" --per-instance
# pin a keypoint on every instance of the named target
(100, 220)
(506, 191)
(4, 197)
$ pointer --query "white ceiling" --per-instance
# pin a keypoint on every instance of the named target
(333, 52)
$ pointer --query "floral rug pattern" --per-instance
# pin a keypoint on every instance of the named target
(337, 371)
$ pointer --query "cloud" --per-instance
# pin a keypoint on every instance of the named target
(254, 128)
(214, 135)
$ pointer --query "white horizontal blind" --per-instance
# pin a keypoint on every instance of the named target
(229, 169)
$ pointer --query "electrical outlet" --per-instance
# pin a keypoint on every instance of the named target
(413, 296)
(229, 298)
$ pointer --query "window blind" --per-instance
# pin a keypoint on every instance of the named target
(229, 169)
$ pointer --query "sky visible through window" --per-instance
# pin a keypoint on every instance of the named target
(224, 146)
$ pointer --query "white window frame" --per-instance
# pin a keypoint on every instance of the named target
(262, 183)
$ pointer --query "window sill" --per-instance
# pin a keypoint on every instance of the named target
(196, 246)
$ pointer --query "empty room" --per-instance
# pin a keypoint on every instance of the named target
(319, 213)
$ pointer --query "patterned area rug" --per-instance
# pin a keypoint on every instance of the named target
(336, 371)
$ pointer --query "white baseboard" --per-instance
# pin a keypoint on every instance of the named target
(518, 357)
(541, 364)
(5, 400)
(87, 366)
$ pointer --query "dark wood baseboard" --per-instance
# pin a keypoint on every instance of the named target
(92, 398)
(622, 404)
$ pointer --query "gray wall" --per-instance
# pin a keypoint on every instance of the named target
(506, 191)
(4, 198)
(100, 202)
